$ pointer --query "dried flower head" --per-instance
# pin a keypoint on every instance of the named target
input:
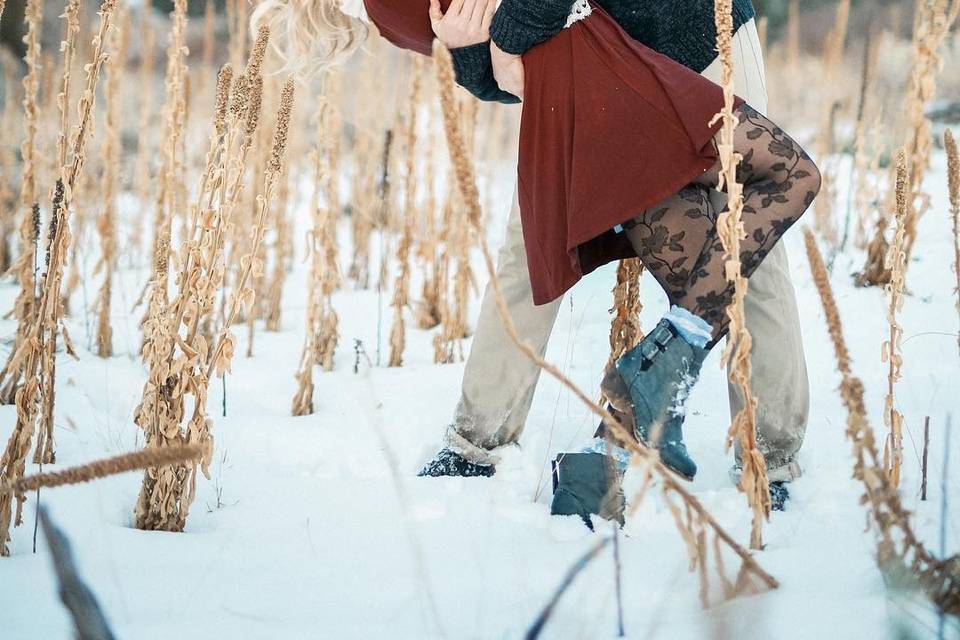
(258, 50)
(953, 170)
(283, 125)
(256, 104)
(241, 96)
(224, 78)
(35, 222)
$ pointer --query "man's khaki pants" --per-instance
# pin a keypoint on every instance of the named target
(499, 381)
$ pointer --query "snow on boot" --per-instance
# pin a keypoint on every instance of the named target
(587, 484)
(779, 494)
(451, 463)
(652, 382)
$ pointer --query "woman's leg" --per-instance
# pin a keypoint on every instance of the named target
(677, 239)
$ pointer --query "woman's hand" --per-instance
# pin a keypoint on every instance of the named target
(466, 23)
(507, 70)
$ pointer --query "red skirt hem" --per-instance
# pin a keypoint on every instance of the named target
(609, 129)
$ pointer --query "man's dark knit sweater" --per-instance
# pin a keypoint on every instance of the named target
(683, 30)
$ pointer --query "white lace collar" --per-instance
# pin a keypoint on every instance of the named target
(355, 9)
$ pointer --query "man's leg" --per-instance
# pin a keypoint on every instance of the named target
(499, 381)
(779, 381)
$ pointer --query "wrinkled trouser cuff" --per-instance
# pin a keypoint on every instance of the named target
(460, 445)
(784, 472)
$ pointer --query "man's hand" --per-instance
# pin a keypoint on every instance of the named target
(466, 23)
(507, 70)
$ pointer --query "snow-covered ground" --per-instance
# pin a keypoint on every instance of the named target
(323, 530)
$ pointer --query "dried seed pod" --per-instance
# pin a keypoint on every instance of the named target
(224, 79)
(953, 185)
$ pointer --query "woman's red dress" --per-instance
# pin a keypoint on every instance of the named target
(610, 128)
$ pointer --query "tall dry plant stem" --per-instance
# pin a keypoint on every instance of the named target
(953, 184)
(832, 60)
(320, 332)
(107, 221)
(174, 115)
(428, 307)
(901, 556)
(281, 256)
(327, 322)
(933, 21)
(251, 264)
(401, 287)
(143, 185)
(8, 204)
(35, 357)
(112, 466)
(693, 521)
(858, 195)
(753, 480)
(26, 264)
(180, 358)
(891, 352)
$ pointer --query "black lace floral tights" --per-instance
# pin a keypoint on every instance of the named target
(677, 239)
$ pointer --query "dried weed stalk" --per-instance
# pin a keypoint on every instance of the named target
(891, 350)
(180, 358)
(832, 60)
(901, 556)
(753, 480)
(320, 332)
(26, 265)
(428, 251)
(953, 184)
(932, 23)
(107, 221)
(694, 522)
(401, 287)
(35, 356)
(112, 466)
(143, 185)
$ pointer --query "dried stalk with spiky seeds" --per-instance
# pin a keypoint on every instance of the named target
(320, 331)
(25, 266)
(900, 555)
(243, 296)
(35, 356)
(891, 352)
(694, 522)
(401, 287)
(753, 480)
(933, 21)
(97, 469)
(180, 358)
(953, 184)
(107, 223)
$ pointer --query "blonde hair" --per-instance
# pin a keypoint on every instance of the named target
(310, 36)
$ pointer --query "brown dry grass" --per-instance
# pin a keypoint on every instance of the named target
(753, 480)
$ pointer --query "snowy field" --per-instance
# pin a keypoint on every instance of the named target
(316, 527)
